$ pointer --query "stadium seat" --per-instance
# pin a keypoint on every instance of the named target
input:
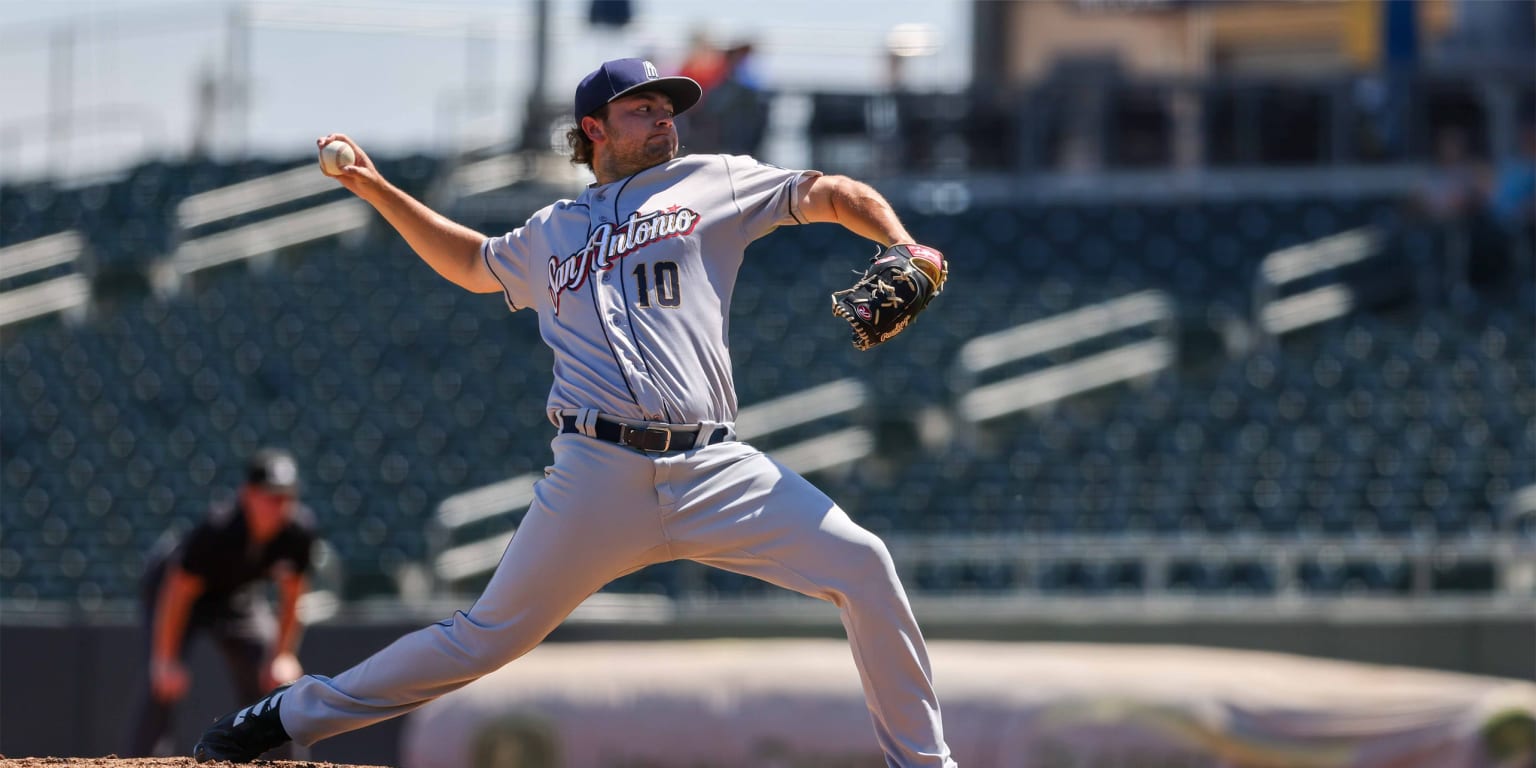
(380, 376)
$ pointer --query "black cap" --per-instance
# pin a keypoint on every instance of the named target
(622, 77)
(273, 470)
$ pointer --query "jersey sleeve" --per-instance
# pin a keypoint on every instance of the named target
(764, 194)
(510, 259)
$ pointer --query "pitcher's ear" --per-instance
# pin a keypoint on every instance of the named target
(592, 127)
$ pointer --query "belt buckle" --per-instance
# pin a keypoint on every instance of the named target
(666, 438)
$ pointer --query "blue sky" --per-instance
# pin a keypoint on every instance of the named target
(399, 75)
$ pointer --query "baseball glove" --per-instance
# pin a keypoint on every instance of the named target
(895, 287)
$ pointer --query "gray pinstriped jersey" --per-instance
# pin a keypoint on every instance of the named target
(632, 281)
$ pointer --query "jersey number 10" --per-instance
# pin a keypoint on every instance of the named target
(667, 294)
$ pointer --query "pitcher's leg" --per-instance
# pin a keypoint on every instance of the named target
(592, 519)
(760, 519)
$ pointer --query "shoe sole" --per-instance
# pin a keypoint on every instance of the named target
(202, 754)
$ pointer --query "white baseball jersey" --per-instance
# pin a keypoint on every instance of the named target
(632, 282)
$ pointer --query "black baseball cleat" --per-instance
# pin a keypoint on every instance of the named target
(246, 734)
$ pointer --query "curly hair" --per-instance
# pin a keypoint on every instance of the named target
(580, 143)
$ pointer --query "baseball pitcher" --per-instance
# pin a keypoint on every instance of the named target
(632, 284)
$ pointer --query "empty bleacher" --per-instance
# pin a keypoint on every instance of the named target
(1400, 420)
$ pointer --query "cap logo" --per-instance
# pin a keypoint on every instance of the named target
(650, 71)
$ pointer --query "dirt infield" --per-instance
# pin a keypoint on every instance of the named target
(113, 761)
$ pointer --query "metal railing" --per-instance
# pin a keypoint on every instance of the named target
(1276, 314)
(1509, 557)
(994, 351)
(59, 294)
(320, 220)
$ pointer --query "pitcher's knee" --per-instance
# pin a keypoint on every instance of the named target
(875, 556)
(864, 565)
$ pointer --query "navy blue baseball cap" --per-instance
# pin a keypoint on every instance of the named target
(622, 77)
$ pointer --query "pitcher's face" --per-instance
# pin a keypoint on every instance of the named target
(638, 133)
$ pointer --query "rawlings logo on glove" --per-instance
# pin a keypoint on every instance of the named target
(895, 287)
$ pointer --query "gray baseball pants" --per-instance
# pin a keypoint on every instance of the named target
(603, 511)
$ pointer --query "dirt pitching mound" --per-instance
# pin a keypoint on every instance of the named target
(112, 761)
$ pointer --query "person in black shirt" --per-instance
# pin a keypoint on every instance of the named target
(214, 580)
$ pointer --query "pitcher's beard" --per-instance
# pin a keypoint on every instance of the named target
(652, 153)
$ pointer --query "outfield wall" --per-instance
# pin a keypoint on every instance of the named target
(70, 687)
(781, 702)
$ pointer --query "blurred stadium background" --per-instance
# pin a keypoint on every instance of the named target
(1239, 347)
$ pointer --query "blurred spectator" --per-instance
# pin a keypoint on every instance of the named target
(1444, 212)
(209, 582)
(704, 62)
(741, 66)
(1473, 227)
(1453, 192)
(1512, 204)
(732, 118)
(1512, 197)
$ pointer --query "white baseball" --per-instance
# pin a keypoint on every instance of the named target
(336, 156)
